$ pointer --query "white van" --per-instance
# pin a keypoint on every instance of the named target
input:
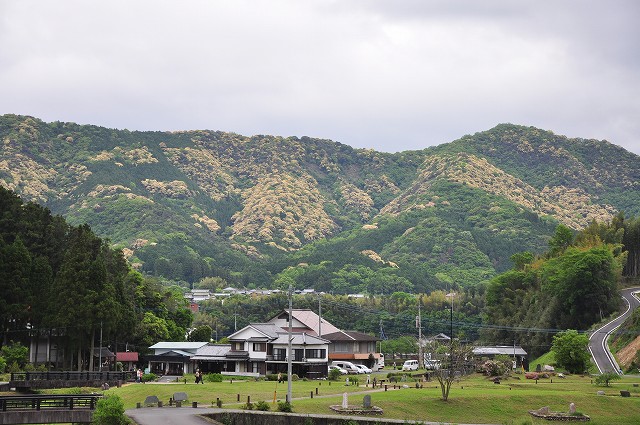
(348, 366)
(410, 365)
(380, 364)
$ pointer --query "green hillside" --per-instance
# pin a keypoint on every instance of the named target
(259, 211)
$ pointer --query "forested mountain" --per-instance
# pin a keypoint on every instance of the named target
(268, 211)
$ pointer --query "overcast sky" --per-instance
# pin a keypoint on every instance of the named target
(390, 75)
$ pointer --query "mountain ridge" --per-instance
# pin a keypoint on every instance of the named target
(242, 207)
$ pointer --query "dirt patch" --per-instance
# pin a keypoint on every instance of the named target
(628, 353)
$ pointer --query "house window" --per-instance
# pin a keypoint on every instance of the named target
(279, 354)
(316, 353)
(298, 354)
(237, 346)
(259, 346)
(341, 347)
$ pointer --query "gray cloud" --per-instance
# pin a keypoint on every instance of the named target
(385, 75)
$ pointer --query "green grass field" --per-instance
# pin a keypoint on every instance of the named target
(472, 400)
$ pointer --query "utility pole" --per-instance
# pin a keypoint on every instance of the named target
(289, 349)
(100, 356)
(320, 315)
(419, 325)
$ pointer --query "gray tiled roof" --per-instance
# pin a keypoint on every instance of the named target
(300, 339)
(501, 349)
(178, 345)
(269, 329)
(212, 351)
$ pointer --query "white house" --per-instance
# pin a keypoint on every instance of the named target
(173, 358)
(261, 348)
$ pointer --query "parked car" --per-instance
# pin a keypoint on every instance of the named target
(410, 365)
(342, 371)
(348, 366)
(363, 368)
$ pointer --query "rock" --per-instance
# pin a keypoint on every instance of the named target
(366, 402)
(572, 408)
(543, 410)
(600, 392)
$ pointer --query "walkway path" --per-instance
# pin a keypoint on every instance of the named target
(602, 357)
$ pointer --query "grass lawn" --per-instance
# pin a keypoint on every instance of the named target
(473, 400)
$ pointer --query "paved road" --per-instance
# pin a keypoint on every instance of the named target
(598, 347)
(190, 416)
(170, 415)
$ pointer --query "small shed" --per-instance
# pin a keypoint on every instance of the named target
(514, 351)
(129, 359)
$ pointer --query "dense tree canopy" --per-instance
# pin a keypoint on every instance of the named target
(64, 281)
(572, 287)
(570, 351)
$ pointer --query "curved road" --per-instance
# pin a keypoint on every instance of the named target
(598, 347)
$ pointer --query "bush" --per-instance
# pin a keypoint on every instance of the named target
(285, 406)
(248, 406)
(399, 376)
(263, 406)
(3, 365)
(334, 374)
(148, 377)
(213, 377)
(110, 411)
(15, 353)
(606, 377)
(496, 367)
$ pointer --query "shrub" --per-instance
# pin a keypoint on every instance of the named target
(29, 367)
(263, 406)
(213, 377)
(110, 411)
(399, 376)
(248, 406)
(285, 406)
(148, 377)
(495, 367)
(3, 365)
(17, 353)
(334, 374)
(606, 377)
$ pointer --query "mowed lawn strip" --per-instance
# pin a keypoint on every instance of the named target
(207, 393)
(472, 400)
